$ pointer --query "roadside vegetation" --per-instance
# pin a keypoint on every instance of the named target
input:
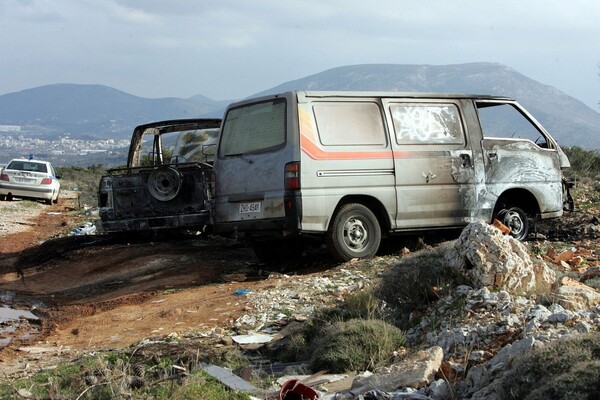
(83, 180)
(169, 373)
(354, 336)
(584, 163)
(564, 369)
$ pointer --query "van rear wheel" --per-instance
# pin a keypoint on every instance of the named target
(354, 233)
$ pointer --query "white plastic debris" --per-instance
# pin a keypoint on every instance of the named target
(253, 338)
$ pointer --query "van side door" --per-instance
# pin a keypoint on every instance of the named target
(433, 162)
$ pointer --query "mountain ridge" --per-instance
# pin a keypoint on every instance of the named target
(580, 126)
(105, 112)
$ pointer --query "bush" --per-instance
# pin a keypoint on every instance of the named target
(416, 281)
(86, 180)
(360, 309)
(584, 163)
(355, 345)
(565, 369)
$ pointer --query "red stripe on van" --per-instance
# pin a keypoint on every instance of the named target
(316, 153)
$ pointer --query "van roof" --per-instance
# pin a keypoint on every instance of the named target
(303, 94)
(410, 95)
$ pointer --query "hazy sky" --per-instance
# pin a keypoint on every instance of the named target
(227, 49)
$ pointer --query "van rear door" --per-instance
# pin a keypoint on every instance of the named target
(250, 166)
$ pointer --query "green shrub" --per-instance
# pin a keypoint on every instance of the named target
(584, 163)
(564, 369)
(416, 281)
(85, 180)
(355, 345)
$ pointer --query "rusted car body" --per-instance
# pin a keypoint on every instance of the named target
(165, 184)
(350, 167)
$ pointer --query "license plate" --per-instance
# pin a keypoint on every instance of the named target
(24, 180)
(250, 207)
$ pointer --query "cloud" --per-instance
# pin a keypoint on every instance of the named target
(232, 48)
(130, 15)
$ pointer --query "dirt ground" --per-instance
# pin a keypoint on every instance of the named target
(98, 292)
(101, 292)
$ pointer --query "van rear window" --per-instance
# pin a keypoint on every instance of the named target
(253, 128)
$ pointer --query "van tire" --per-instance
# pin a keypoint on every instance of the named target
(278, 250)
(354, 233)
(516, 220)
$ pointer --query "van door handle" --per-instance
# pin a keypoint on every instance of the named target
(466, 160)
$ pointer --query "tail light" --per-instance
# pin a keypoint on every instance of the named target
(47, 181)
(4, 177)
(292, 176)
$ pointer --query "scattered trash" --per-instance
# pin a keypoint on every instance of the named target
(503, 228)
(253, 338)
(295, 389)
(86, 229)
(229, 379)
(242, 292)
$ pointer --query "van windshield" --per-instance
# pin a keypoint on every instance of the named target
(253, 128)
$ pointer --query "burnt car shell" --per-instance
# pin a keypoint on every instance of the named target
(158, 190)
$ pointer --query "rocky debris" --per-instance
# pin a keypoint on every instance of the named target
(573, 295)
(417, 370)
(482, 379)
(513, 303)
(487, 258)
(298, 297)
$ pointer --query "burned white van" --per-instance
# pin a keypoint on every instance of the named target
(165, 183)
(351, 167)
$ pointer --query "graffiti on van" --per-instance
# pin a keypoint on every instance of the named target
(426, 123)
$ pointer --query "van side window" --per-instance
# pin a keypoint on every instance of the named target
(355, 123)
(502, 120)
(427, 124)
(253, 128)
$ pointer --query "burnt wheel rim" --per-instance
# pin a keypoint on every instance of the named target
(164, 184)
(514, 221)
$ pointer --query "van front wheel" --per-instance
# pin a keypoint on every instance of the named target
(354, 233)
(516, 220)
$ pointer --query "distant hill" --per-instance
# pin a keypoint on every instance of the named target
(567, 119)
(94, 110)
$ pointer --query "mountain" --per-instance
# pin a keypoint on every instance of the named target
(567, 119)
(94, 110)
(103, 112)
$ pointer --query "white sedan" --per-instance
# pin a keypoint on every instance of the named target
(32, 179)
